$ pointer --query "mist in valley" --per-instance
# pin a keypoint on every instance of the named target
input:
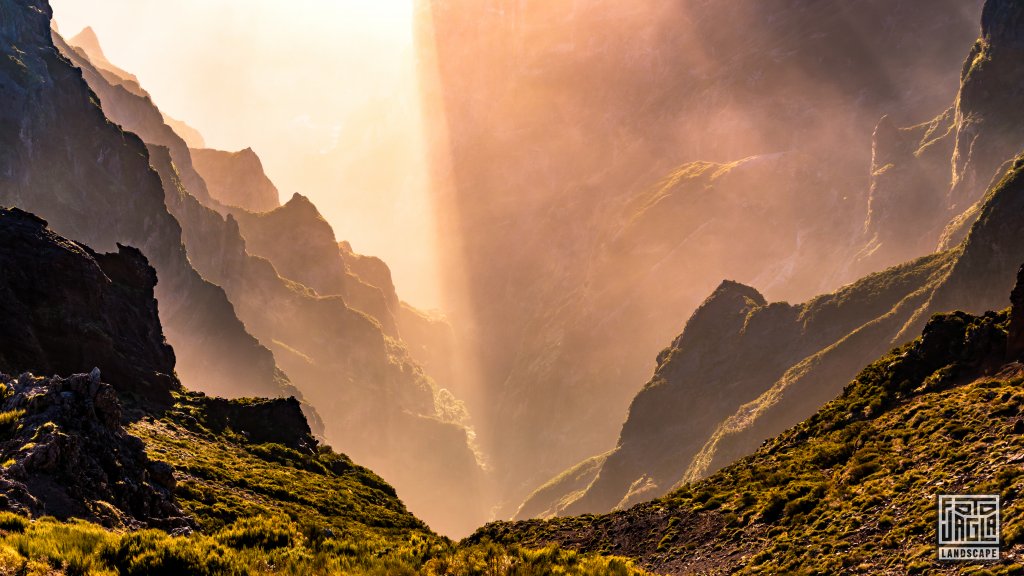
(508, 211)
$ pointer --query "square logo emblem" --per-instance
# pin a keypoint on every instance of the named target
(968, 527)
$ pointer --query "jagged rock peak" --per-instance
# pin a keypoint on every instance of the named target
(300, 202)
(88, 40)
(236, 178)
(68, 455)
(721, 314)
(733, 289)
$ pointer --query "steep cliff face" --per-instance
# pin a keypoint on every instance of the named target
(65, 309)
(928, 180)
(236, 178)
(68, 310)
(553, 119)
(348, 363)
(301, 245)
(61, 159)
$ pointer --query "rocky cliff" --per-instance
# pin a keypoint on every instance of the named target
(65, 309)
(62, 159)
(928, 180)
(236, 178)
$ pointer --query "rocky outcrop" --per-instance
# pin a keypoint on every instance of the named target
(260, 420)
(236, 178)
(66, 455)
(65, 309)
(1015, 329)
(915, 203)
(60, 158)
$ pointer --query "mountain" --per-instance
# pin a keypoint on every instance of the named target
(702, 410)
(349, 363)
(600, 167)
(853, 488)
(111, 320)
(141, 476)
(68, 310)
(235, 178)
(928, 180)
(60, 158)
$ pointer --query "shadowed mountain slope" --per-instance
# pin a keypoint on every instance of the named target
(853, 488)
(350, 364)
(63, 160)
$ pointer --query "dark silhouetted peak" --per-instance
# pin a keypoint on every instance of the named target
(1015, 338)
(236, 178)
(723, 313)
(278, 421)
(67, 455)
(65, 309)
(1002, 22)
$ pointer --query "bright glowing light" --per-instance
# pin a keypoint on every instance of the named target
(323, 90)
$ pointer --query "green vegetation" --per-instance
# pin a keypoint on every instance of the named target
(852, 489)
(269, 509)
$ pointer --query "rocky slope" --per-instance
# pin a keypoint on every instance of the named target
(235, 178)
(796, 357)
(335, 336)
(64, 309)
(80, 310)
(60, 158)
(851, 489)
(66, 454)
(556, 120)
(230, 486)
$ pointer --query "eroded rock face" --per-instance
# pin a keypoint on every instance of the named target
(65, 309)
(62, 159)
(66, 455)
(236, 178)
(278, 420)
(928, 180)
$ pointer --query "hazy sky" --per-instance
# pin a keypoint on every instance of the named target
(323, 90)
